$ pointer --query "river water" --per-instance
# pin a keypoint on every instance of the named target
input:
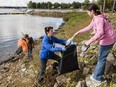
(11, 27)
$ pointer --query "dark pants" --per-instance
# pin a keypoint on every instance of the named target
(29, 54)
(43, 63)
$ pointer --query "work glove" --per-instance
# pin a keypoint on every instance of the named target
(63, 49)
(85, 47)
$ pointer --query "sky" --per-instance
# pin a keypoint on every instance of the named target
(24, 2)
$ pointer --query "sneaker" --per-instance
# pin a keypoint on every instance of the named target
(91, 77)
(95, 82)
(40, 80)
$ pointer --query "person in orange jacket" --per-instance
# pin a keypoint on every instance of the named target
(22, 45)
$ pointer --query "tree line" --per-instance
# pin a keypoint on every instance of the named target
(103, 4)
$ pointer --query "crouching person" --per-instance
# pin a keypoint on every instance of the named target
(22, 45)
(48, 49)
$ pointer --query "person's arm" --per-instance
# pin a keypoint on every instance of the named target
(60, 41)
(19, 44)
(89, 27)
(50, 47)
(99, 32)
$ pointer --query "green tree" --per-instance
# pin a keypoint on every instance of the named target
(56, 5)
(34, 5)
(100, 4)
(49, 5)
(86, 4)
(64, 5)
(43, 5)
(76, 5)
(39, 5)
(30, 4)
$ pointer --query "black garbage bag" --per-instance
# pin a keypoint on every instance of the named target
(69, 60)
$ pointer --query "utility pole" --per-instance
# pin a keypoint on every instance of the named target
(104, 5)
(113, 5)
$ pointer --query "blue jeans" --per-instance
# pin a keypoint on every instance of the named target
(100, 67)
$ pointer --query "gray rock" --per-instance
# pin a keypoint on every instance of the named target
(56, 85)
(109, 69)
(114, 78)
(86, 70)
(78, 49)
(111, 59)
(114, 85)
(68, 82)
(81, 65)
(83, 54)
(61, 79)
(23, 70)
(81, 84)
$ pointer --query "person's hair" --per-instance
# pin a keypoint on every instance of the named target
(26, 36)
(95, 8)
(47, 29)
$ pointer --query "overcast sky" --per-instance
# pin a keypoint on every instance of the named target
(24, 2)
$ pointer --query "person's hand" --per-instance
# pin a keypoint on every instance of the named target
(63, 49)
(68, 42)
(85, 47)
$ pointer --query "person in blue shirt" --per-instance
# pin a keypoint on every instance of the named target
(48, 49)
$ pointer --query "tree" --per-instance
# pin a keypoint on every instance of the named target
(86, 4)
(100, 4)
(38, 5)
(76, 5)
(34, 5)
(56, 5)
(64, 5)
(30, 4)
(114, 4)
(49, 5)
(43, 5)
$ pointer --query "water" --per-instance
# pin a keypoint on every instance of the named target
(12, 26)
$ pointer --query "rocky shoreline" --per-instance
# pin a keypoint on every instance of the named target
(23, 72)
(48, 13)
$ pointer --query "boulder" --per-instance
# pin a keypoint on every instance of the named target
(111, 59)
(81, 84)
(86, 70)
(110, 68)
(114, 78)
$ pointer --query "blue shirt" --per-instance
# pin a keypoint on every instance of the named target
(48, 48)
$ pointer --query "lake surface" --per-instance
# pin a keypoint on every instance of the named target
(11, 27)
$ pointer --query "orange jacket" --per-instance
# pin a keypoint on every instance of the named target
(24, 45)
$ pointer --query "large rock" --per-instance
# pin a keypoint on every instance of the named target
(114, 78)
(110, 68)
(61, 79)
(56, 85)
(114, 85)
(111, 59)
(86, 70)
(81, 84)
